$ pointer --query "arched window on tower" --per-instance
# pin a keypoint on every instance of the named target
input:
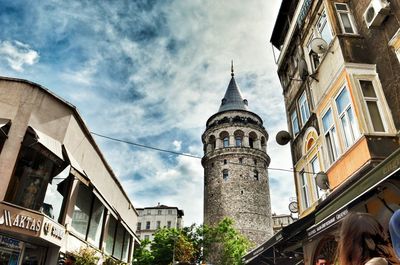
(263, 143)
(225, 174)
(252, 139)
(238, 138)
(212, 143)
(225, 138)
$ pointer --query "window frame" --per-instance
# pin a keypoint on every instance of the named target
(303, 104)
(332, 146)
(343, 116)
(304, 190)
(317, 191)
(148, 225)
(294, 118)
(349, 15)
(378, 101)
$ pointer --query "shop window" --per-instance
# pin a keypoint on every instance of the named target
(346, 19)
(304, 109)
(225, 174)
(295, 122)
(87, 218)
(56, 194)
(35, 169)
(330, 136)
(373, 105)
(126, 247)
(96, 222)
(348, 123)
(111, 231)
(119, 241)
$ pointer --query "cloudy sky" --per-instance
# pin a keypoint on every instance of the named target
(152, 72)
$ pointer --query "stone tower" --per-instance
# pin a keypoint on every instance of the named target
(235, 162)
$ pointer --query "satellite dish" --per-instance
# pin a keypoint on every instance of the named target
(283, 137)
(319, 45)
(322, 180)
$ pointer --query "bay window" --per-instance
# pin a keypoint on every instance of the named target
(330, 136)
(372, 104)
(348, 123)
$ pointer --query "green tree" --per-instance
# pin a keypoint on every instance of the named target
(142, 255)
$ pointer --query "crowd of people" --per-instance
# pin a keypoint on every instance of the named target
(363, 241)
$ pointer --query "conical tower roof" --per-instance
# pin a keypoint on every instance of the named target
(233, 99)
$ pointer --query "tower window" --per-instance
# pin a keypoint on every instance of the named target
(256, 174)
(238, 141)
(241, 160)
(251, 142)
(226, 141)
(225, 174)
(255, 161)
(225, 162)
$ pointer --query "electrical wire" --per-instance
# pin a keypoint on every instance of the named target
(184, 154)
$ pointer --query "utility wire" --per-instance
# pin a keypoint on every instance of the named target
(184, 154)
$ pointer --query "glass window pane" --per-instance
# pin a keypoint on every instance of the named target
(353, 123)
(119, 241)
(238, 141)
(347, 133)
(342, 101)
(226, 142)
(80, 217)
(295, 123)
(375, 116)
(315, 169)
(125, 250)
(341, 7)
(348, 28)
(96, 223)
(112, 224)
(367, 88)
(57, 189)
(327, 120)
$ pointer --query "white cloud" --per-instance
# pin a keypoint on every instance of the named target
(177, 144)
(148, 92)
(18, 54)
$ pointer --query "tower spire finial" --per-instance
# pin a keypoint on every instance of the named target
(232, 74)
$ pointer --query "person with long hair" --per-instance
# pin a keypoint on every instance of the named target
(363, 241)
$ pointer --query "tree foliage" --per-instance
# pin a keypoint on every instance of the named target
(192, 244)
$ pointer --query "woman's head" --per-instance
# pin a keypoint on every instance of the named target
(361, 238)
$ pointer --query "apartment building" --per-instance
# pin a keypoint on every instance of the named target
(339, 68)
(161, 216)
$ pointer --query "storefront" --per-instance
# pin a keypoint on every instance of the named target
(27, 237)
(377, 193)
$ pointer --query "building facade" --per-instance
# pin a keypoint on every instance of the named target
(281, 220)
(339, 69)
(58, 193)
(235, 162)
(153, 218)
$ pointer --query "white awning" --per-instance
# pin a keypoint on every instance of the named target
(50, 143)
(3, 123)
(74, 163)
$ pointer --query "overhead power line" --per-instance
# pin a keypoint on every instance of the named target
(183, 154)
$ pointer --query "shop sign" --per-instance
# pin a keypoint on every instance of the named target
(21, 221)
(10, 242)
(50, 229)
(314, 230)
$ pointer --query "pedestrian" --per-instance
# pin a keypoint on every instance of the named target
(363, 241)
(394, 229)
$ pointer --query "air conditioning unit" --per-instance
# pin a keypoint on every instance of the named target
(376, 12)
